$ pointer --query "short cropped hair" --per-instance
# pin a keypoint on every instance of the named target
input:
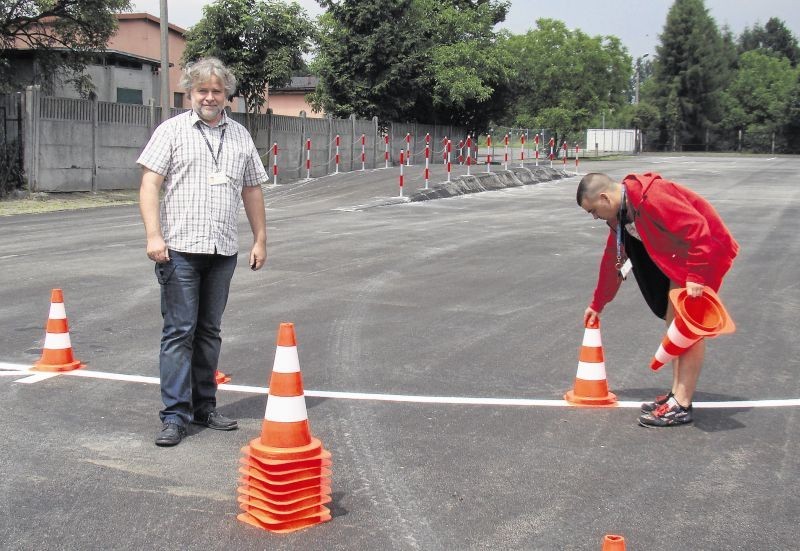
(200, 71)
(593, 184)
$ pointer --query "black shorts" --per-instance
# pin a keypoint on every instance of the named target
(652, 282)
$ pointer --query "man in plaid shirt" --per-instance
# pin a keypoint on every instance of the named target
(207, 166)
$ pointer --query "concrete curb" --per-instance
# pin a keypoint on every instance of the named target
(475, 183)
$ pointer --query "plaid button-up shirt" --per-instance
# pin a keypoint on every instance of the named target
(196, 216)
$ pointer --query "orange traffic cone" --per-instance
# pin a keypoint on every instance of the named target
(286, 479)
(591, 387)
(221, 378)
(57, 349)
(695, 318)
(613, 543)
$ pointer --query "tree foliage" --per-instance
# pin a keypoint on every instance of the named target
(64, 35)
(411, 60)
(773, 37)
(565, 78)
(261, 41)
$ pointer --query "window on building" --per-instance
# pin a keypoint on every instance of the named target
(177, 99)
(129, 95)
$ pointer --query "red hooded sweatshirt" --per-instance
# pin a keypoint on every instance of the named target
(681, 231)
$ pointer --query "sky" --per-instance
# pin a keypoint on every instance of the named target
(637, 23)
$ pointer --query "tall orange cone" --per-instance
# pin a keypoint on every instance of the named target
(286, 479)
(57, 349)
(613, 543)
(695, 318)
(591, 386)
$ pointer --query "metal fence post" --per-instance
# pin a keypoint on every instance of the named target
(94, 107)
(330, 143)
(375, 142)
(302, 143)
(31, 136)
(352, 142)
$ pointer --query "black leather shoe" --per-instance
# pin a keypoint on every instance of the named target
(216, 421)
(171, 435)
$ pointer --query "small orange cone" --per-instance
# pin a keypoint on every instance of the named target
(591, 386)
(57, 349)
(286, 480)
(221, 378)
(613, 543)
(695, 318)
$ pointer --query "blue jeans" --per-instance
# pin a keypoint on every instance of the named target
(194, 292)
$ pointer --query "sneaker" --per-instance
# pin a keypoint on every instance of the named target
(667, 415)
(171, 434)
(215, 420)
(647, 407)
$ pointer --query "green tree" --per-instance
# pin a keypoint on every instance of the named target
(691, 69)
(414, 60)
(774, 37)
(64, 36)
(759, 99)
(261, 41)
(565, 77)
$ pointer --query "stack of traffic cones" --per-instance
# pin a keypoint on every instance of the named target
(591, 386)
(613, 543)
(286, 480)
(57, 349)
(695, 318)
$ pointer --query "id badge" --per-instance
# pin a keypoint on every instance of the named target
(217, 179)
(626, 269)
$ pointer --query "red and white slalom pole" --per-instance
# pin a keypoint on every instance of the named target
(337, 154)
(552, 144)
(522, 151)
(505, 157)
(461, 152)
(489, 153)
(275, 163)
(536, 145)
(565, 147)
(408, 149)
(469, 153)
(363, 152)
(577, 152)
(427, 158)
(401, 172)
(386, 151)
(449, 151)
(308, 159)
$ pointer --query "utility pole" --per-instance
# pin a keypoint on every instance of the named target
(164, 61)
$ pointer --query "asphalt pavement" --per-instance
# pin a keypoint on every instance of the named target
(436, 340)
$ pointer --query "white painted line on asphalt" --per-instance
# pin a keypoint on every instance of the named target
(9, 256)
(415, 399)
(37, 377)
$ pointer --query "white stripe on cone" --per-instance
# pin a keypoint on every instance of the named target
(57, 311)
(678, 338)
(286, 409)
(286, 360)
(591, 371)
(591, 338)
(57, 341)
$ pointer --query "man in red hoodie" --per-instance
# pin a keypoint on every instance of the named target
(671, 237)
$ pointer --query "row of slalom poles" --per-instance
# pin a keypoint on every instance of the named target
(275, 163)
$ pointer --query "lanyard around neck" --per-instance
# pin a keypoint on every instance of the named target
(621, 217)
(219, 149)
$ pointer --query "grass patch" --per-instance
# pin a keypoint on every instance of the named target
(51, 202)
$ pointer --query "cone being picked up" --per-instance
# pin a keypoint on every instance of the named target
(221, 378)
(591, 386)
(612, 542)
(695, 318)
(57, 350)
(285, 481)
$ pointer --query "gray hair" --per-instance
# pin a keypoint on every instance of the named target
(200, 71)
